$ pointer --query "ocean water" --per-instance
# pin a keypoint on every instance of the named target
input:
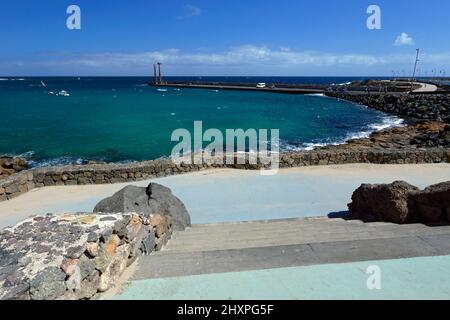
(123, 119)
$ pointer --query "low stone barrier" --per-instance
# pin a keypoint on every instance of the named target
(74, 256)
(23, 182)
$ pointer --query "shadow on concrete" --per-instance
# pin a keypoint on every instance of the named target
(340, 215)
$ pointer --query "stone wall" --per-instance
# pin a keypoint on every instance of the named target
(74, 256)
(23, 182)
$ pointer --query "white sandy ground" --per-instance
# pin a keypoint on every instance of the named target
(236, 195)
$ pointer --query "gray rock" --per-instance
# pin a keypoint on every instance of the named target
(92, 237)
(89, 286)
(87, 267)
(151, 200)
(19, 292)
(148, 244)
(48, 284)
(108, 219)
(75, 252)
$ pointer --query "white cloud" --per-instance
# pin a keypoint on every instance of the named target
(404, 40)
(241, 60)
(242, 55)
(191, 11)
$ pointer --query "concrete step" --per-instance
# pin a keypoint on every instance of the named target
(230, 247)
(178, 264)
(266, 234)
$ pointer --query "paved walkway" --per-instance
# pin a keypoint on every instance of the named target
(425, 87)
(411, 278)
(235, 195)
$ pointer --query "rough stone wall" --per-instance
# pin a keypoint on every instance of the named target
(74, 256)
(23, 182)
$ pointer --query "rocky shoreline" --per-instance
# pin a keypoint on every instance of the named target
(434, 107)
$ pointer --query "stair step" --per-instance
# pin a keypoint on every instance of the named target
(205, 239)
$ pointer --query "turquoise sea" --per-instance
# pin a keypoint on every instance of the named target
(123, 119)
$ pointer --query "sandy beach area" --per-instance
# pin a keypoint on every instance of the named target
(237, 195)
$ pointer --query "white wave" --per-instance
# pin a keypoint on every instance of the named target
(387, 122)
(3, 79)
(55, 162)
(316, 94)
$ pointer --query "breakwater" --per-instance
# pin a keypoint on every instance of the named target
(434, 107)
(304, 89)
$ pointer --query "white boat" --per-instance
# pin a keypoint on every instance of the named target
(63, 93)
(261, 85)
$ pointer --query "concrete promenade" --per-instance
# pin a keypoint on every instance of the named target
(285, 257)
(225, 195)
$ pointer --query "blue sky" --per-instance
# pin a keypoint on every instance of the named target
(223, 37)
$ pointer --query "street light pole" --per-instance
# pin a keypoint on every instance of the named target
(415, 68)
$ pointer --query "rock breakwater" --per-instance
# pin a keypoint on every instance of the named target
(434, 107)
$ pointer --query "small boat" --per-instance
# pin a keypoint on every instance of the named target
(51, 93)
(161, 90)
(63, 93)
(261, 85)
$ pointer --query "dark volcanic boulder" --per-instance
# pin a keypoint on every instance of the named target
(433, 203)
(383, 202)
(155, 199)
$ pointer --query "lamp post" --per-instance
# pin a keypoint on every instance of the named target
(415, 68)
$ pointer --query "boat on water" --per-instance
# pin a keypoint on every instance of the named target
(161, 90)
(63, 93)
